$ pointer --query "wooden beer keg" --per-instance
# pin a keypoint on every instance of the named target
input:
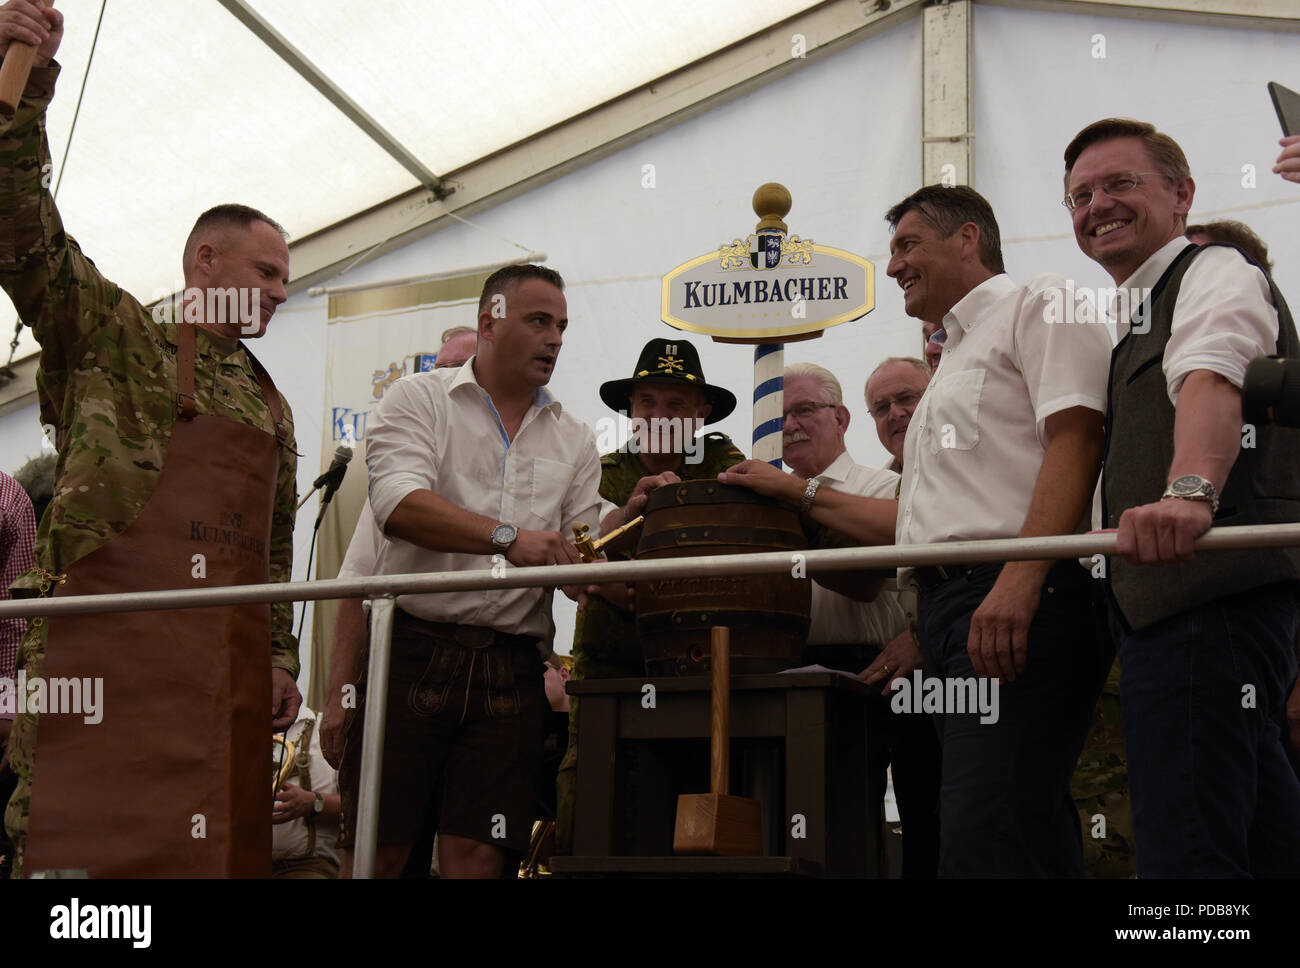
(767, 614)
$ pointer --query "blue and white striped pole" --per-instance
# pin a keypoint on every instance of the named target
(769, 380)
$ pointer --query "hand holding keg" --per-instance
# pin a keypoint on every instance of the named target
(762, 478)
(641, 494)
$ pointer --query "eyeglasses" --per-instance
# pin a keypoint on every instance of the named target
(939, 337)
(1114, 186)
(908, 398)
(804, 410)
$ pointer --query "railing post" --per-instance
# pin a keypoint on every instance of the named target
(372, 738)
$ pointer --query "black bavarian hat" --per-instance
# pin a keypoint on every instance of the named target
(670, 360)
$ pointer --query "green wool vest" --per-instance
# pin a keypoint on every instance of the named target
(1262, 488)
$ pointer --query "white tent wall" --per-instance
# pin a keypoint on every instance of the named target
(845, 153)
(1037, 82)
(844, 135)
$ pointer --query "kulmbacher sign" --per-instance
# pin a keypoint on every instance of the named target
(768, 287)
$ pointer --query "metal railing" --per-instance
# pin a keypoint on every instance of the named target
(382, 591)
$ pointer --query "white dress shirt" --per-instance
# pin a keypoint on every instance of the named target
(364, 550)
(439, 431)
(1223, 319)
(837, 619)
(977, 438)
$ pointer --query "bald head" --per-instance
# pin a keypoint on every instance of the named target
(458, 345)
(893, 390)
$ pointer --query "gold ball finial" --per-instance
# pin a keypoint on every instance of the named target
(771, 204)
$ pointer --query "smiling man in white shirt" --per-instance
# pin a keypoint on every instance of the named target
(465, 465)
(1006, 442)
(1206, 642)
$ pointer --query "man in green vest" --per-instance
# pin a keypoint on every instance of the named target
(668, 400)
(1207, 642)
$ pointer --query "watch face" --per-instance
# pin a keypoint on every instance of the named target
(1188, 484)
(504, 534)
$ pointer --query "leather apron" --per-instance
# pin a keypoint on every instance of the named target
(173, 780)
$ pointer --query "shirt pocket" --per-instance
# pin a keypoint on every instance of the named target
(551, 479)
(955, 411)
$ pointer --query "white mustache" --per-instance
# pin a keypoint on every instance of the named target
(795, 437)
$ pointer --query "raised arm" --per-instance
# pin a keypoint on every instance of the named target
(57, 291)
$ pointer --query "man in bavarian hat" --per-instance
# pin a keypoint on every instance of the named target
(668, 401)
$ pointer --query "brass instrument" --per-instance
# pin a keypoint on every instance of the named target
(281, 771)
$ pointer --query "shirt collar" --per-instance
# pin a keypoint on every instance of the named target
(1149, 273)
(838, 470)
(205, 344)
(542, 398)
(972, 307)
(1145, 278)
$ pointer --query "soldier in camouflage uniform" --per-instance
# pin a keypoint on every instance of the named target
(1100, 790)
(667, 383)
(107, 380)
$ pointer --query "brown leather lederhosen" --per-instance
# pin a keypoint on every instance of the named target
(172, 780)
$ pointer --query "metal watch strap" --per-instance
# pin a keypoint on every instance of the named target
(1207, 493)
(809, 493)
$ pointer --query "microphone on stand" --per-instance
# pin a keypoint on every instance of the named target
(331, 479)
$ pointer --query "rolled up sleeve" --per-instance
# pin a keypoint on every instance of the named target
(1224, 318)
(401, 447)
(1064, 364)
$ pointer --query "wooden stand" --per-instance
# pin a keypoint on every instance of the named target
(817, 817)
(717, 823)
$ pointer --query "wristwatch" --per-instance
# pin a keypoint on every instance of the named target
(503, 536)
(1193, 487)
(319, 805)
(809, 493)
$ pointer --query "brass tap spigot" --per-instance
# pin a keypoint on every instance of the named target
(588, 547)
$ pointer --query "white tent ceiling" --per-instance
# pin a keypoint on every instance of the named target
(185, 107)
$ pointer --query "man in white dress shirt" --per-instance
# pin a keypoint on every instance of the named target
(1006, 442)
(360, 561)
(1207, 642)
(472, 467)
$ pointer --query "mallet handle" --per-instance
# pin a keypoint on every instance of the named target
(720, 747)
(15, 70)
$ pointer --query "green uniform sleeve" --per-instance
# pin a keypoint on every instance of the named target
(284, 647)
(57, 291)
(721, 453)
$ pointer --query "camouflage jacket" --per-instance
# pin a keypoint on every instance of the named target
(107, 375)
(605, 633)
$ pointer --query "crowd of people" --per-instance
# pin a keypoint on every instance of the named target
(175, 448)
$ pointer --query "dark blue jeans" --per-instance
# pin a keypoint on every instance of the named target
(1005, 805)
(1204, 702)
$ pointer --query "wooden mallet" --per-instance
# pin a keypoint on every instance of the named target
(14, 72)
(718, 823)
